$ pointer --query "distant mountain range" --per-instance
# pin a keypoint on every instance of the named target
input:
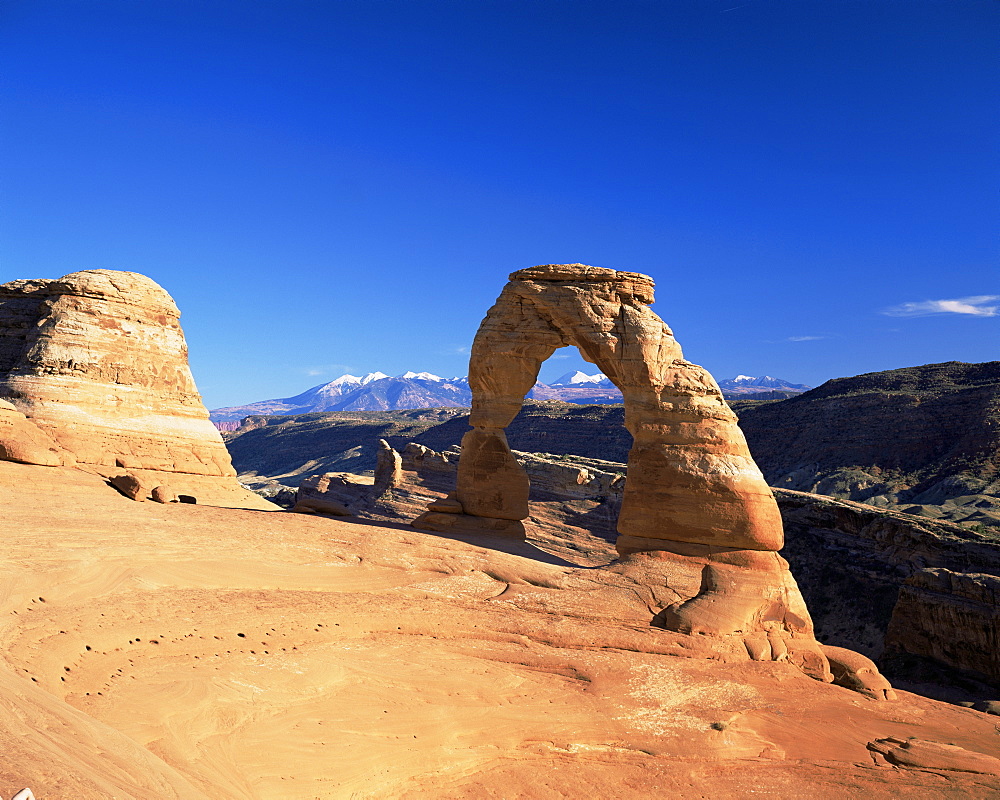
(377, 391)
(745, 384)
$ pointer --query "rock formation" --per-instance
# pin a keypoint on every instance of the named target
(22, 441)
(694, 494)
(917, 754)
(94, 373)
(388, 468)
(687, 449)
(857, 672)
(343, 494)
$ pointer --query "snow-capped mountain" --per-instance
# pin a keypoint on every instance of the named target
(354, 380)
(375, 391)
(579, 387)
(335, 388)
(747, 384)
(578, 378)
(422, 376)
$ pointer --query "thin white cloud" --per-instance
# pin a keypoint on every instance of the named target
(809, 338)
(974, 306)
(326, 369)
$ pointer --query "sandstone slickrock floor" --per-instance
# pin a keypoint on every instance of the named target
(158, 651)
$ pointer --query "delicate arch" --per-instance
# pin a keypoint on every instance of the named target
(690, 475)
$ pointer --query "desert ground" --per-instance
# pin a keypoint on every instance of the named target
(157, 651)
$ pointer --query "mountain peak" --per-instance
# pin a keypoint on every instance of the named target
(422, 376)
(378, 391)
(344, 379)
(578, 378)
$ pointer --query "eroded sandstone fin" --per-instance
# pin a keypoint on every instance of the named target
(388, 468)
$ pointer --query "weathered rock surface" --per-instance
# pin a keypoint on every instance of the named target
(388, 468)
(197, 652)
(858, 672)
(917, 754)
(133, 487)
(164, 494)
(24, 442)
(342, 488)
(97, 364)
(851, 560)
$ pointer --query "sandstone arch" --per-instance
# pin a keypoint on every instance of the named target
(697, 518)
(691, 478)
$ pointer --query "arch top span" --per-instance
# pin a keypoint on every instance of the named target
(634, 282)
(691, 478)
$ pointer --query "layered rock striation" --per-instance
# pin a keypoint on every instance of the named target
(951, 618)
(94, 373)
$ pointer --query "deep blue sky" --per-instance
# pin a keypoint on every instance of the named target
(343, 186)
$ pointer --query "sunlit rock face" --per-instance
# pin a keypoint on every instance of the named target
(97, 362)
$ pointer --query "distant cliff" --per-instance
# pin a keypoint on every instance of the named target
(924, 439)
